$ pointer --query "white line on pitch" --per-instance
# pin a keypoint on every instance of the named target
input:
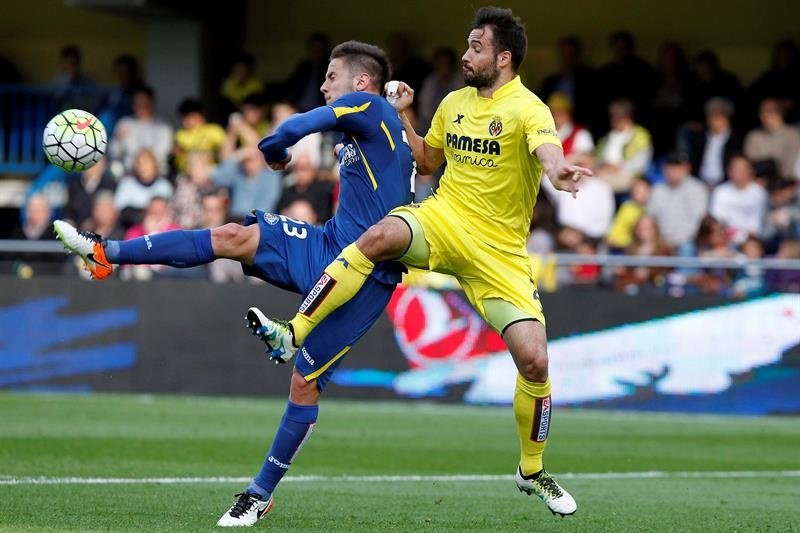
(9, 480)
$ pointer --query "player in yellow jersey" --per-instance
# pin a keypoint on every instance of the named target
(498, 139)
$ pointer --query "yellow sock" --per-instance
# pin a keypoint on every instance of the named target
(341, 281)
(532, 410)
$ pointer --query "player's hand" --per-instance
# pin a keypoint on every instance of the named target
(280, 165)
(568, 178)
(399, 94)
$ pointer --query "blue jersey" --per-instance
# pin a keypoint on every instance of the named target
(375, 165)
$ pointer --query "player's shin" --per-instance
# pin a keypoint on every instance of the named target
(341, 281)
(532, 411)
(294, 430)
(178, 248)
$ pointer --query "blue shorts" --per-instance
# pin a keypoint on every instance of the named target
(292, 255)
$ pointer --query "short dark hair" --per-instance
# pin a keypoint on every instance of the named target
(190, 105)
(366, 57)
(70, 50)
(508, 30)
(146, 90)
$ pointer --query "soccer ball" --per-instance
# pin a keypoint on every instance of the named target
(74, 140)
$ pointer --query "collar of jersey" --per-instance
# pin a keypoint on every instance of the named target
(507, 88)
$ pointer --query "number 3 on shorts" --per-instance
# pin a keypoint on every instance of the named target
(294, 231)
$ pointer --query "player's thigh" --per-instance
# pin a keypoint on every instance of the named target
(501, 287)
(437, 238)
(235, 241)
(291, 254)
(326, 346)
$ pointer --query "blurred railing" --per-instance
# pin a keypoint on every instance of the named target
(24, 112)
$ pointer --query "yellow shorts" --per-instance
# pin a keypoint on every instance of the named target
(488, 276)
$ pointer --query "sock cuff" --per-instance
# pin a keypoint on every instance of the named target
(202, 244)
(303, 414)
(536, 390)
(357, 259)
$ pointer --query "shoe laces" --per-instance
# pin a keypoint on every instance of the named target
(243, 504)
(549, 485)
(90, 235)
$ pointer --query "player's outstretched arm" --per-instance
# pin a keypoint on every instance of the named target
(562, 175)
(275, 146)
(428, 159)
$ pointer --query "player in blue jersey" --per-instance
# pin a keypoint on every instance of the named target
(376, 169)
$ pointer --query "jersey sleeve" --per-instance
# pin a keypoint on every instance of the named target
(539, 126)
(357, 113)
(435, 136)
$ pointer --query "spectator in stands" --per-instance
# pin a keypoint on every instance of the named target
(128, 76)
(577, 82)
(709, 151)
(711, 80)
(543, 227)
(190, 188)
(712, 242)
(590, 212)
(241, 82)
(625, 153)
(302, 86)
(301, 209)
(627, 76)
(215, 214)
(679, 203)
(407, 65)
(785, 280)
(620, 235)
(647, 242)
(247, 126)
(781, 81)
(252, 184)
(445, 78)
(671, 94)
(783, 214)
(135, 190)
(775, 140)
(576, 140)
(142, 130)
(302, 183)
(36, 227)
(196, 133)
(749, 281)
(82, 190)
(72, 87)
(157, 218)
(105, 217)
(740, 203)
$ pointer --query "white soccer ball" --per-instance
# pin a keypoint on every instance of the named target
(74, 140)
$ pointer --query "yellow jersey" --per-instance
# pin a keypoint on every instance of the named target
(492, 175)
(206, 138)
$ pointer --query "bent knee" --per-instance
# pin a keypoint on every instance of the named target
(533, 366)
(388, 239)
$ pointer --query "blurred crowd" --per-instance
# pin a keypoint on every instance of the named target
(688, 161)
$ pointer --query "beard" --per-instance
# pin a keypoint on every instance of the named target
(481, 78)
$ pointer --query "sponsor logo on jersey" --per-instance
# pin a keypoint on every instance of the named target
(272, 459)
(470, 144)
(541, 420)
(317, 295)
(271, 219)
(349, 155)
(495, 127)
(307, 356)
(546, 131)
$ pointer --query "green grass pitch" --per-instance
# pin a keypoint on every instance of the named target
(130, 436)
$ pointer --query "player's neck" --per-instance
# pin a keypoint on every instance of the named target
(504, 77)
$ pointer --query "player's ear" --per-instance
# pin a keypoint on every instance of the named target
(362, 81)
(504, 59)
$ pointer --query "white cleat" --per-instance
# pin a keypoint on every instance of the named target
(552, 494)
(247, 510)
(89, 246)
(276, 334)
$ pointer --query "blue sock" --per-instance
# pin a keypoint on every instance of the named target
(178, 248)
(294, 430)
